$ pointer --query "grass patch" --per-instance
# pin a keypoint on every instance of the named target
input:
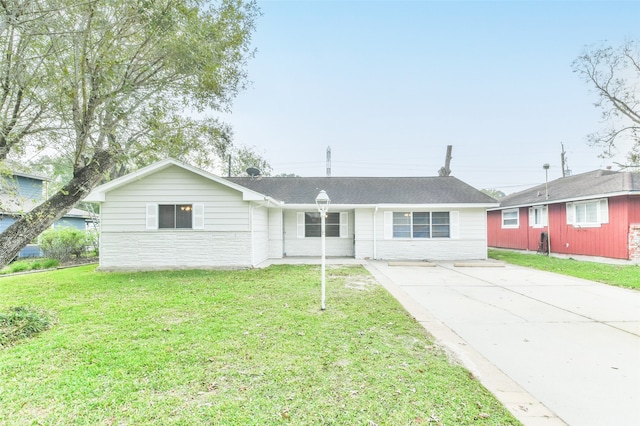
(20, 323)
(232, 348)
(29, 265)
(619, 275)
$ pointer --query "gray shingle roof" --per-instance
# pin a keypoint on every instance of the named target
(585, 185)
(367, 190)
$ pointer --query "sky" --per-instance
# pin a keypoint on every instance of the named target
(389, 84)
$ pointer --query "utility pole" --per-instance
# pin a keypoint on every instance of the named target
(562, 159)
(328, 161)
(446, 170)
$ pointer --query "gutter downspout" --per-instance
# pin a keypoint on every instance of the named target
(284, 250)
(251, 235)
(375, 240)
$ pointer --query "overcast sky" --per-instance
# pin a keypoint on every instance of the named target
(389, 84)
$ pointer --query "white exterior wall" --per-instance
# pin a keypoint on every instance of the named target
(171, 250)
(275, 234)
(335, 246)
(470, 244)
(364, 245)
(125, 243)
(260, 234)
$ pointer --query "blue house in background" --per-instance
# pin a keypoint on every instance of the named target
(20, 193)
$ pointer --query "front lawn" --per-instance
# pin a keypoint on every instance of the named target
(229, 348)
(619, 275)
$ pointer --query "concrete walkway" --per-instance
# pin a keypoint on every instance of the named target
(554, 349)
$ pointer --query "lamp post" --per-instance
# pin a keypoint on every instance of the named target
(322, 202)
(546, 190)
(546, 179)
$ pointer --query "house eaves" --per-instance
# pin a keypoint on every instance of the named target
(30, 176)
(582, 187)
(409, 206)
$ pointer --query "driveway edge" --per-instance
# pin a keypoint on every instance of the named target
(519, 402)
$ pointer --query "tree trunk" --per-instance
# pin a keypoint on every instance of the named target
(33, 223)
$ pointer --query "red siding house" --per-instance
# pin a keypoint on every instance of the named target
(593, 214)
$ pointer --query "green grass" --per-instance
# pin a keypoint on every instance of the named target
(618, 275)
(29, 265)
(229, 348)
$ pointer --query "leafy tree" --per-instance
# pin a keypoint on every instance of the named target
(25, 102)
(287, 175)
(116, 67)
(63, 243)
(497, 194)
(245, 157)
(614, 74)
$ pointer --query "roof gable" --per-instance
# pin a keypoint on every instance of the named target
(99, 193)
(594, 184)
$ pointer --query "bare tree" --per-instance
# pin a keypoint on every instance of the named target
(614, 74)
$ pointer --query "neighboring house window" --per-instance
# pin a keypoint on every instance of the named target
(421, 225)
(510, 218)
(538, 216)
(310, 224)
(588, 213)
(175, 216)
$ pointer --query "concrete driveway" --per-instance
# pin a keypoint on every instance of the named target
(554, 349)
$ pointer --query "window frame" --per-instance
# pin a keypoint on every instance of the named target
(333, 228)
(181, 216)
(410, 229)
(601, 213)
(543, 216)
(153, 214)
(517, 218)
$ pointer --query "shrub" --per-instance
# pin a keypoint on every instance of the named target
(43, 264)
(63, 243)
(93, 241)
(22, 322)
(19, 266)
(29, 265)
(49, 263)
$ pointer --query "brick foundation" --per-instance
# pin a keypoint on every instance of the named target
(634, 242)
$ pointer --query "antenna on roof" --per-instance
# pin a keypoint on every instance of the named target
(446, 171)
(253, 172)
(328, 161)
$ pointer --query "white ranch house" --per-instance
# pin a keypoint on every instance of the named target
(171, 215)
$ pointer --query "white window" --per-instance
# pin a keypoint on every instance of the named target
(538, 217)
(511, 218)
(421, 225)
(588, 213)
(175, 216)
(310, 223)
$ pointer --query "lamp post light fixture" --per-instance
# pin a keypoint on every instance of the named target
(322, 202)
